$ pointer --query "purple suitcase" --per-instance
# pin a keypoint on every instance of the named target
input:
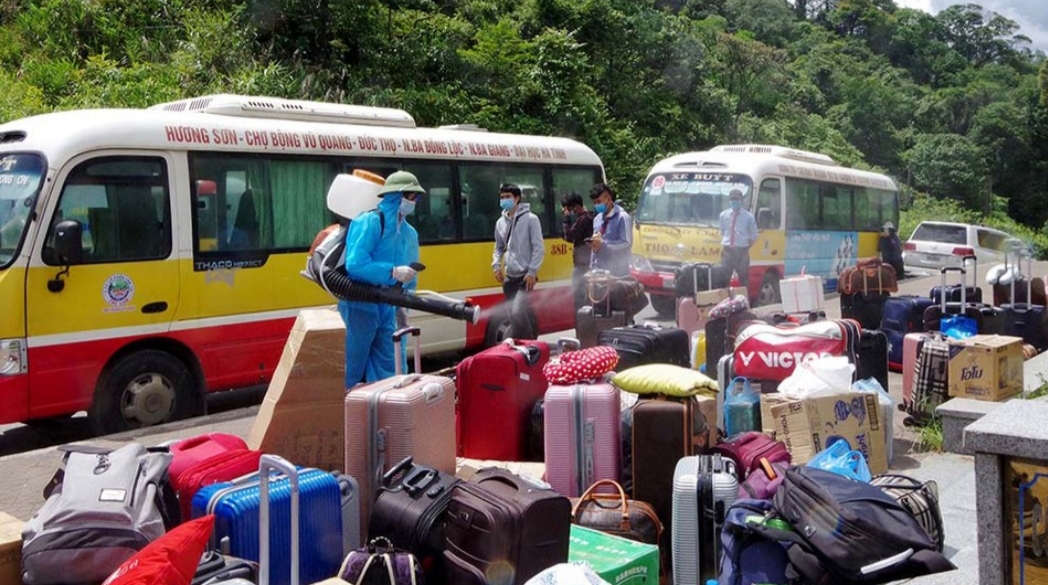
(582, 436)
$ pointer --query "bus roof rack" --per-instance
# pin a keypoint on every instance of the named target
(780, 151)
(464, 127)
(226, 104)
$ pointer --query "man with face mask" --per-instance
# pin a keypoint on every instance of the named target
(380, 247)
(738, 231)
(519, 250)
(612, 240)
(578, 229)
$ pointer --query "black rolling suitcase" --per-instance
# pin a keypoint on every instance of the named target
(410, 507)
(709, 277)
(933, 315)
(216, 568)
(872, 358)
(1025, 320)
(868, 310)
(956, 293)
(642, 344)
(720, 335)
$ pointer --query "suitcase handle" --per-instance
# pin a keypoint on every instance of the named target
(624, 524)
(266, 464)
(397, 469)
(399, 334)
(964, 285)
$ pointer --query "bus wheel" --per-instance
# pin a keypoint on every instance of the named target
(506, 323)
(664, 305)
(144, 388)
(769, 293)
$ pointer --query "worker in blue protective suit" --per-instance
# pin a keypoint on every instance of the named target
(380, 246)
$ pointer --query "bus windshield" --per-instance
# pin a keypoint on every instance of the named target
(689, 198)
(20, 179)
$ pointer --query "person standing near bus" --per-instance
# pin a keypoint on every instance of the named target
(380, 247)
(612, 240)
(519, 249)
(578, 227)
(738, 231)
(890, 248)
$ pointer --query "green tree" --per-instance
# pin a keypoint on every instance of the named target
(949, 166)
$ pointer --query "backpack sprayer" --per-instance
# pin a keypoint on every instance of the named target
(350, 196)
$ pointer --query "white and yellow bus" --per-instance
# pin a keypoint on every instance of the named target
(195, 219)
(812, 215)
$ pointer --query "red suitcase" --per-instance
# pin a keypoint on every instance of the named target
(187, 452)
(220, 468)
(582, 436)
(497, 389)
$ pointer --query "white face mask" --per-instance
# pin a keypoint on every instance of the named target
(406, 207)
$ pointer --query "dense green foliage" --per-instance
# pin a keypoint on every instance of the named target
(952, 106)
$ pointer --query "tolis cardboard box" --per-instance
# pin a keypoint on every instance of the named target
(986, 367)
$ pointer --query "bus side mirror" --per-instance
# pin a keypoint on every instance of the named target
(69, 250)
(764, 220)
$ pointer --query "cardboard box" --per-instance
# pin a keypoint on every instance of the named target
(617, 560)
(806, 426)
(986, 367)
(302, 417)
(802, 293)
(708, 407)
(10, 550)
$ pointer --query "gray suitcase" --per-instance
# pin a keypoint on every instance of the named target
(704, 487)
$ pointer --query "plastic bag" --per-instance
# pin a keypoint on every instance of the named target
(841, 459)
(958, 326)
(872, 386)
(818, 377)
(742, 408)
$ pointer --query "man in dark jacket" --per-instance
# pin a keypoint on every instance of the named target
(578, 225)
(890, 249)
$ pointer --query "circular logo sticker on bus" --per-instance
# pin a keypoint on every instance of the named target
(118, 291)
(658, 182)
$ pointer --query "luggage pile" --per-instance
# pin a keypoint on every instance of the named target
(926, 334)
(442, 482)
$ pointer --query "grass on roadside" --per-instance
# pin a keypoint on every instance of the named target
(929, 436)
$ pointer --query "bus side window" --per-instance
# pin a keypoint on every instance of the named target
(769, 205)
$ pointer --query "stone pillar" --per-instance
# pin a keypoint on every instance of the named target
(1011, 457)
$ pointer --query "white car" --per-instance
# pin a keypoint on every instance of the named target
(935, 244)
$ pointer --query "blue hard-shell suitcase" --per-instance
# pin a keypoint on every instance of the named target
(236, 508)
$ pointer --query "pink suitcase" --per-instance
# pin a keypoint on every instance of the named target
(406, 415)
(910, 345)
(582, 438)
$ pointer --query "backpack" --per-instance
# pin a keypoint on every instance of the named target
(328, 257)
(849, 531)
(118, 501)
(751, 547)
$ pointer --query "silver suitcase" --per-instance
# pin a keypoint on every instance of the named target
(704, 487)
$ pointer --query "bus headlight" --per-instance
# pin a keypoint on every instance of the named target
(641, 264)
(13, 357)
